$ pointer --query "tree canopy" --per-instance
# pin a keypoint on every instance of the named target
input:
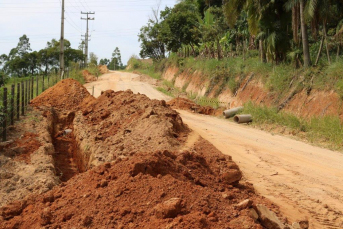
(22, 61)
(281, 30)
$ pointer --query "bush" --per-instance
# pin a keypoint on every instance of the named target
(134, 63)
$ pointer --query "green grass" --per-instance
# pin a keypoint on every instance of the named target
(93, 69)
(326, 131)
(165, 91)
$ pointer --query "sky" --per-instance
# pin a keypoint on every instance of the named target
(117, 23)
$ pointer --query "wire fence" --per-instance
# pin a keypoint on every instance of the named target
(15, 99)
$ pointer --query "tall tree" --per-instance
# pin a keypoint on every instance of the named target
(304, 35)
(116, 63)
(93, 58)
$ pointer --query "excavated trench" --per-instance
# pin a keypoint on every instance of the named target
(67, 157)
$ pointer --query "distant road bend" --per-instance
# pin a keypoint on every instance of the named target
(305, 181)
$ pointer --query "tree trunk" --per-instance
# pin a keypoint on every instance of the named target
(326, 43)
(219, 50)
(262, 53)
(306, 50)
(320, 50)
(295, 23)
(338, 49)
(243, 49)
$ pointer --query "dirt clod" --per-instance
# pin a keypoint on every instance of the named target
(169, 208)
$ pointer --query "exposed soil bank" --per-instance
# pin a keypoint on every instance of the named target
(306, 103)
(26, 163)
(67, 156)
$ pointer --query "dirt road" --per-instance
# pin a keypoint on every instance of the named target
(305, 181)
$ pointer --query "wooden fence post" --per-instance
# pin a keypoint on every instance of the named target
(32, 83)
(25, 100)
(42, 83)
(48, 81)
(22, 98)
(36, 85)
(12, 104)
(28, 91)
(18, 101)
(4, 121)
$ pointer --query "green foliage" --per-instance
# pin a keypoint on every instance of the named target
(93, 59)
(325, 129)
(179, 24)
(76, 73)
(264, 114)
(3, 78)
(104, 61)
(152, 45)
(115, 63)
(93, 69)
(280, 78)
(134, 63)
(21, 62)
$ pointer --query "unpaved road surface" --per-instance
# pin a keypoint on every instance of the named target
(305, 181)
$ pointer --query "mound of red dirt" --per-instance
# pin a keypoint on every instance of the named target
(186, 104)
(67, 94)
(189, 189)
(88, 76)
(103, 69)
(123, 123)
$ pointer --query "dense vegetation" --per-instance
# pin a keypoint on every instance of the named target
(22, 61)
(281, 31)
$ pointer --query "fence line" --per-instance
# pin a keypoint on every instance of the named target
(15, 102)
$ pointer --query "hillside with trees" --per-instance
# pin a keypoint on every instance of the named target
(281, 59)
(296, 32)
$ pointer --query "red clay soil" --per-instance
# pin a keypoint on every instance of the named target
(24, 147)
(103, 69)
(88, 76)
(65, 157)
(68, 94)
(151, 190)
(186, 104)
(124, 112)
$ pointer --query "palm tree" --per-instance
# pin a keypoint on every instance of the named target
(294, 5)
(304, 35)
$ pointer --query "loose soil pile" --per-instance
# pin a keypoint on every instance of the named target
(189, 189)
(88, 76)
(119, 124)
(68, 94)
(103, 69)
(186, 104)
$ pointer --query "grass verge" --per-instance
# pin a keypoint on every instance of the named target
(324, 131)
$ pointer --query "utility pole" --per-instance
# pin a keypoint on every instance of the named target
(82, 45)
(87, 34)
(62, 42)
